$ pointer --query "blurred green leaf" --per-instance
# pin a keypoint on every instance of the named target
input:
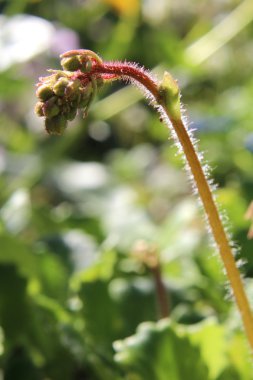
(14, 251)
(14, 304)
(20, 366)
(158, 351)
(210, 337)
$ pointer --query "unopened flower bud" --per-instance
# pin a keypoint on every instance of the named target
(86, 66)
(71, 63)
(75, 102)
(169, 95)
(38, 109)
(50, 108)
(86, 95)
(56, 125)
(44, 92)
(60, 86)
(58, 74)
(73, 89)
(71, 114)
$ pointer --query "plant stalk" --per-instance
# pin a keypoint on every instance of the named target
(162, 296)
(87, 70)
(217, 228)
(126, 70)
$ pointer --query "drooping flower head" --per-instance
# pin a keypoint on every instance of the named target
(65, 91)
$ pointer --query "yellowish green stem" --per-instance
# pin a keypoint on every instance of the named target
(216, 226)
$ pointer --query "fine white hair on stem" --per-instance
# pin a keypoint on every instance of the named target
(190, 131)
(207, 173)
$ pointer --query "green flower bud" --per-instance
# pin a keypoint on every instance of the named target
(73, 89)
(56, 125)
(71, 63)
(169, 94)
(44, 92)
(86, 95)
(71, 114)
(50, 108)
(86, 66)
(60, 86)
(85, 100)
(38, 109)
(75, 103)
(58, 74)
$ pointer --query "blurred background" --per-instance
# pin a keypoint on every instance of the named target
(73, 208)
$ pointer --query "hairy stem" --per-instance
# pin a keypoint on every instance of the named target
(216, 227)
(64, 91)
(126, 70)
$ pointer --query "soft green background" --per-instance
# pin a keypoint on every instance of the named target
(74, 302)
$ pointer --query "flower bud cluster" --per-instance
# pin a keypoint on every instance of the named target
(61, 94)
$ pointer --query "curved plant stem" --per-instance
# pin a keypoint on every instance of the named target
(126, 70)
(88, 71)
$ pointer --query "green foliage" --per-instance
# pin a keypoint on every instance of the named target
(157, 351)
(165, 350)
(75, 302)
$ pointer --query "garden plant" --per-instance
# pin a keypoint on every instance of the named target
(126, 202)
(61, 95)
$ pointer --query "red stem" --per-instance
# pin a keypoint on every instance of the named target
(128, 71)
